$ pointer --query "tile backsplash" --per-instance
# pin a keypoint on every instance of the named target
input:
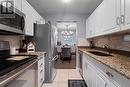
(114, 41)
(13, 40)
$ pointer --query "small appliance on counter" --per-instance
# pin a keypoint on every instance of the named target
(91, 44)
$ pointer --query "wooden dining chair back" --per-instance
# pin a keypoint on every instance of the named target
(66, 54)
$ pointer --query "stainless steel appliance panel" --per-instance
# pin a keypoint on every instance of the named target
(13, 25)
(43, 38)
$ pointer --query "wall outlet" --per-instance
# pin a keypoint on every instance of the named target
(126, 38)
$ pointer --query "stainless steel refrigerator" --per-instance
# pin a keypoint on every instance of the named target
(45, 39)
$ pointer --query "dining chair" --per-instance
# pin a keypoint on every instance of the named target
(66, 54)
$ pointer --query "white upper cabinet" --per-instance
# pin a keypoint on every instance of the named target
(32, 16)
(27, 9)
(87, 28)
(110, 16)
(106, 18)
(125, 14)
(18, 4)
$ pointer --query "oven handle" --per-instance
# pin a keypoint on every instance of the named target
(22, 23)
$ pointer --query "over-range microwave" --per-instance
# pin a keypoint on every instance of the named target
(13, 25)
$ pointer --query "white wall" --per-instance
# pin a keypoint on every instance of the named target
(81, 22)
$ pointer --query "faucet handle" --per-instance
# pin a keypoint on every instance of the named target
(106, 46)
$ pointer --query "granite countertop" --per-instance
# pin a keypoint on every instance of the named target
(38, 53)
(117, 62)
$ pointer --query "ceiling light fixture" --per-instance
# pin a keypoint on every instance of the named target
(66, 1)
(67, 32)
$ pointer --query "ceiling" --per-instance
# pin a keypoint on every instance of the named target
(60, 7)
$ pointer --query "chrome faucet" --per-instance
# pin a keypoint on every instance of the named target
(106, 46)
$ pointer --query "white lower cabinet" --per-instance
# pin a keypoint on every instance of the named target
(100, 81)
(94, 77)
(41, 71)
(113, 85)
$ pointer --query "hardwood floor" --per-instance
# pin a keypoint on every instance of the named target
(66, 65)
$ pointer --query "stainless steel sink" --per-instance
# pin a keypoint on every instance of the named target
(99, 53)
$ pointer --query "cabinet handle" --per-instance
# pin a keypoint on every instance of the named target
(105, 85)
(118, 20)
(122, 19)
(41, 80)
(109, 74)
(41, 64)
(41, 71)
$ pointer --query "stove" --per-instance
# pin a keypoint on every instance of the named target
(9, 63)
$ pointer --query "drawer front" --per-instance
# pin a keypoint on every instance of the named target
(41, 71)
(40, 78)
(40, 64)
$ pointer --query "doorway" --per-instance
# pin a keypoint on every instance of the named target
(67, 37)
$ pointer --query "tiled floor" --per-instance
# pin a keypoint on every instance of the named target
(62, 77)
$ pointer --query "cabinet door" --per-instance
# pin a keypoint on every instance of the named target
(27, 9)
(125, 14)
(18, 4)
(41, 71)
(88, 72)
(114, 85)
(92, 24)
(89, 75)
(101, 82)
(87, 28)
(109, 16)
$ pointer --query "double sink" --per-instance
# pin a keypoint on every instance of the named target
(98, 53)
